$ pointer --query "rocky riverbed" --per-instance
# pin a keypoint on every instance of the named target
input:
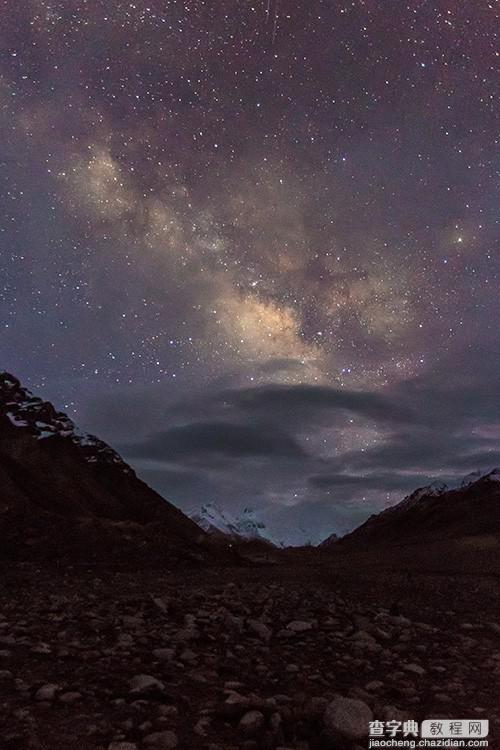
(237, 660)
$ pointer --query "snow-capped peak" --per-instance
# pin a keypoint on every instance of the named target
(493, 476)
(42, 421)
(440, 488)
(249, 526)
(431, 490)
(471, 478)
(214, 520)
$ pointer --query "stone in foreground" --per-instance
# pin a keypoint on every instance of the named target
(348, 718)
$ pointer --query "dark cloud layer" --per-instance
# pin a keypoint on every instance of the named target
(292, 438)
(203, 439)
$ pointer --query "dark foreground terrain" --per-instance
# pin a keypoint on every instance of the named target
(240, 657)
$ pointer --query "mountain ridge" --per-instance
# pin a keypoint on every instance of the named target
(68, 493)
(467, 509)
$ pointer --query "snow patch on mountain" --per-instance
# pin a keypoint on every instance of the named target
(27, 412)
(329, 541)
(214, 520)
(493, 476)
(247, 526)
(438, 488)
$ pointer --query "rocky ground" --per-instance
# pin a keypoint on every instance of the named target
(239, 659)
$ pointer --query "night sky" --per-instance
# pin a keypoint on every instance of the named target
(256, 246)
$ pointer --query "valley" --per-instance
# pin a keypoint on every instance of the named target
(125, 625)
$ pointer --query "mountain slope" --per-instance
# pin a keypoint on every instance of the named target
(328, 542)
(65, 493)
(434, 514)
(215, 521)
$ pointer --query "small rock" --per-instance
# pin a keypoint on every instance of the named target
(186, 634)
(299, 626)
(188, 655)
(374, 685)
(414, 669)
(391, 713)
(251, 722)
(348, 718)
(442, 698)
(169, 712)
(160, 603)
(70, 697)
(41, 648)
(275, 722)
(234, 705)
(22, 714)
(202, 725)
(166, 740)
(260, 629)
(164, 654)
(233, 685)
(144, 683)
(47, 692)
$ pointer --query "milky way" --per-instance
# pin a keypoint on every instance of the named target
(276, 221)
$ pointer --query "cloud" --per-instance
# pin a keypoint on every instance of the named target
(303, 451)
(389, 481)
(318, 403)
(203, 439)
(299, 407)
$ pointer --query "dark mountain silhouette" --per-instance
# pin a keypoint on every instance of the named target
(435, 512)
(329, 541)
(436, 526)
(66, 493)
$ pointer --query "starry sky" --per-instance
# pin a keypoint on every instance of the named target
(255, 244)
